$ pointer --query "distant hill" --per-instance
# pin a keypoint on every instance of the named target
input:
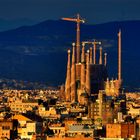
(7, 24)
(38, 52)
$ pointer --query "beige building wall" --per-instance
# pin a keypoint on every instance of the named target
(29, 127)
(5, 128)
(123, 130)
(113, 130)
(73, 138)
(19, 106)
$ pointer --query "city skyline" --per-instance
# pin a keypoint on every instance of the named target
(63, 81)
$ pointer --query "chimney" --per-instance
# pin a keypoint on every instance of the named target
(100, 59)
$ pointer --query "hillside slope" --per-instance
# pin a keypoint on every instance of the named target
(38, 52)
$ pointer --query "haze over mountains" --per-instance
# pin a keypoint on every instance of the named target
(39, 52)
(7, 24)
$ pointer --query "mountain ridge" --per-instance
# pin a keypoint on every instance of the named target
(33, 47)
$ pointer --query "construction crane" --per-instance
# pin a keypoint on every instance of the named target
(94, 44)
(78, 20)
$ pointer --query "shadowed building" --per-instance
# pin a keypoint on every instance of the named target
(8, 129)
(123, 130)
(98, 77)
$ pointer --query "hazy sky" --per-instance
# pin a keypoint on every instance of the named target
(94, 11)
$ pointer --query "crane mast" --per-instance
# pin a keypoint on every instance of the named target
(78, 21)
(94, 47)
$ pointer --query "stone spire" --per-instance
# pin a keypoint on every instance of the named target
(112, 87)
(87, 57)
(100, 59)
(83, 53)
(91, 55)
(68, 79)
(107, 87)
(73, 76)
(94, 60)
(105, 59)
(82, 80)
(87, 73)
(119, 55)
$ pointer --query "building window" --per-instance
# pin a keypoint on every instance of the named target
(5, 127)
